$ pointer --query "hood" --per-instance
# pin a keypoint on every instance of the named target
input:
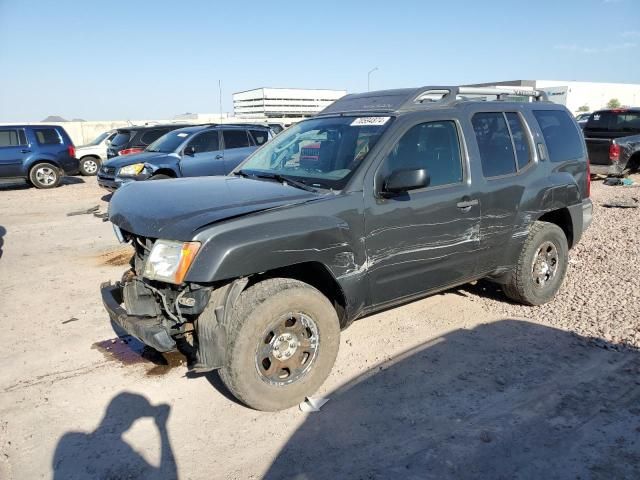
(144, 157)
(175, 209)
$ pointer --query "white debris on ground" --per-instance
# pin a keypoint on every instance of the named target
(600, 296)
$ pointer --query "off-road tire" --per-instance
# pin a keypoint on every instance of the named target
(521, 287)
(256, 309)
(86, 167)
(39, 169)
(159, 176)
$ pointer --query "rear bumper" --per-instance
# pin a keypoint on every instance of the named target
(587, 213)
(70, 166)
(148, 330)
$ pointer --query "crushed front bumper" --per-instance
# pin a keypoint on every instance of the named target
(149, 330)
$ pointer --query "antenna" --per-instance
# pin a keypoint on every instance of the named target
(220, 98)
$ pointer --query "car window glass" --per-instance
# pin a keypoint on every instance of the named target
(235, 139)
(48, 136)
(494, 142)
(152, 135)
(599, 121)
(121, 138)
(433, 146)
(523, 152)
(205, 142)
(564, 141)
(9, 138)
(628, 121)
(260, 137)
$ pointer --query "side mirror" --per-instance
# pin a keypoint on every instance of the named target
(401, 181)
(190, 150)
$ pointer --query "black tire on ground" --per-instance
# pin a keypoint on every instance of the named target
(546, 241)
(89, 166)
(159, 176)
(259, 312)
(45, 175)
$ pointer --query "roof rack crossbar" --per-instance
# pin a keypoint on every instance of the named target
(449, 94)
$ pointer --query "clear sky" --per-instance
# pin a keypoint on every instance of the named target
(116, 59)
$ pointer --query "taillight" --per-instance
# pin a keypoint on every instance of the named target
(129, 151)
(72, 150)
(614, 152)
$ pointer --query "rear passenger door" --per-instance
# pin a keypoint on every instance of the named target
(237, 147)
(504, 150)
(428, 238)
(13, 150)
(208, 158)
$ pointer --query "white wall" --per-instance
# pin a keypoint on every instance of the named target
(594, 95)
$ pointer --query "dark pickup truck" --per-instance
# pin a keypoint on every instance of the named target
(600, 132)
(381, 199)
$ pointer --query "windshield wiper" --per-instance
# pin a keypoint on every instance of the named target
(277, 177)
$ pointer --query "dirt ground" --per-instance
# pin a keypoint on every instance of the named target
(446, 387)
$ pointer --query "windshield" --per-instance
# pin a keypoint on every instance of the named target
(169, 142)
(98, 139)
(320, 152)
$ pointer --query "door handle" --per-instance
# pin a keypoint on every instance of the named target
(218, 157)
(25, 150)
(467, 204)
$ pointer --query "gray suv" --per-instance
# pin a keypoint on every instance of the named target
(383, 198)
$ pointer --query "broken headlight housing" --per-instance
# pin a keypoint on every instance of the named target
(131, 170)
(169, 261)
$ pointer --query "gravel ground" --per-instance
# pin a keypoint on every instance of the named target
(599, 297)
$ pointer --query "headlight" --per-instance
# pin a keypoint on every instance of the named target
(134, 169)
(169, 261)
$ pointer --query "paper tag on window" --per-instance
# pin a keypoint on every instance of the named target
(183, 135)
(365, 121)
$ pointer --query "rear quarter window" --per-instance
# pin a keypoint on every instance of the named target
(260, 137)
(151, 136)
(564, 141)
(121, 138)
(47, 136)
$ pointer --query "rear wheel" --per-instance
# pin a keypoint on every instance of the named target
(45, 175)
(89, 166)
(283, 338)
(541, 266)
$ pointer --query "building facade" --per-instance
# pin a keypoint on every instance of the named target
(283, 104)
(587, 96)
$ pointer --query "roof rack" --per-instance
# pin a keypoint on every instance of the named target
(385, 101)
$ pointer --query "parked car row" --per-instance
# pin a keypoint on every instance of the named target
(43, 154)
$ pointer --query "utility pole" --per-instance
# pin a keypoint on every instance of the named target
(220, 98)
(369, 78)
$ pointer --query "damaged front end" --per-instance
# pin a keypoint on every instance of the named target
(166, 315)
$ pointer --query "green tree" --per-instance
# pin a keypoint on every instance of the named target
(584, 108)
(613, 103)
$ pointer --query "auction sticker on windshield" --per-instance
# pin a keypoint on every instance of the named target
(366, 121)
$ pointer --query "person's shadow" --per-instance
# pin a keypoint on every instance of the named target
(103, 453)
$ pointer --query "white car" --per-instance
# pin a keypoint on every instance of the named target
(93, 154)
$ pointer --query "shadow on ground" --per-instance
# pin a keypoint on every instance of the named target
(3, 232)
(509, 399)
(103, 453)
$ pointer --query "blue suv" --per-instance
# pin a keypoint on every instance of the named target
(40, 154)
(196, 151)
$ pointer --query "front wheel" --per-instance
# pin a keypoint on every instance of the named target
(45, 175)
(541, 266)
(89, 166)
(283, 338)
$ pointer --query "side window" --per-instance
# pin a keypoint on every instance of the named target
(629, 122)
(152, 135)
(434, 146)
(47, 136)
(11, 138)
(599, 121)
(561, 135)
(260, 137)
(235, 139)
(494, 143)
(520, 142)
(206, 142)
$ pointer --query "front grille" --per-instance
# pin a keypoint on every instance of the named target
(108, 170)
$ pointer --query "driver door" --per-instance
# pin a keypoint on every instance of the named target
(202, 156)
(425, 239)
